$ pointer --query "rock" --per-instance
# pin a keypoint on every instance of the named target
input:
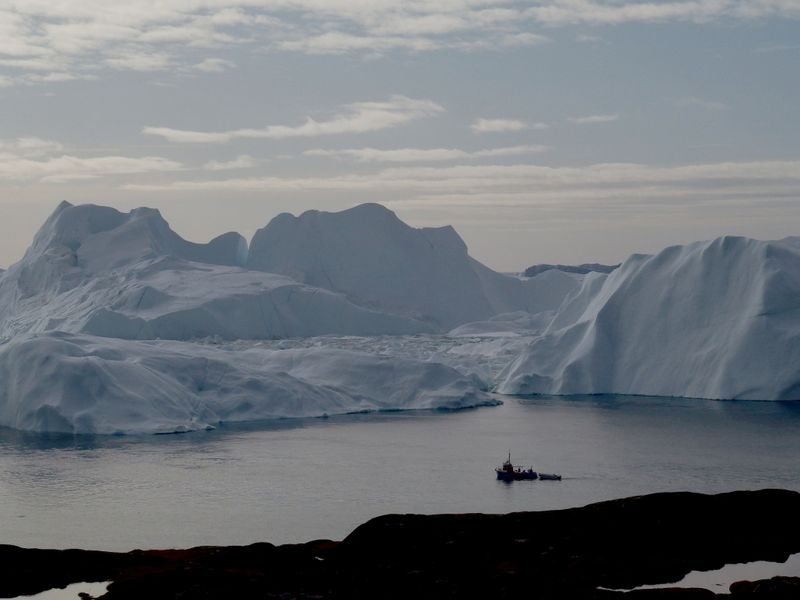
(553, 554)
(777, 587)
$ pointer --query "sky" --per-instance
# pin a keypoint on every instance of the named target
(562, 131)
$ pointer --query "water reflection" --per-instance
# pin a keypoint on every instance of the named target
(11, 439)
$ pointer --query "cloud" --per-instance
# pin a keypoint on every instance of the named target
(57, 77)
(597, 12)
(68, 168)
(503, 125)
(423, 154)
(76, 37)
(726, 182)
(525, 38)
(589, 119)
(36, 63)
(358, 117)
(140, 61)
(243, 161)
(335, 42)
(34, 159)
(488, 25)
(214, 65)
(29, 147)
(179, 136)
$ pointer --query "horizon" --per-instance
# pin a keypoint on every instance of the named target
(559, 132)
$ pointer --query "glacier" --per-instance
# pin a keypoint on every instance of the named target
(113, 323)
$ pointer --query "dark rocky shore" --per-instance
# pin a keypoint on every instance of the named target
(553, 554)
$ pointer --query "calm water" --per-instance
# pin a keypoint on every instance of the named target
(318, 478)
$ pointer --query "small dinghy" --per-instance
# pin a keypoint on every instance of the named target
(549, 477)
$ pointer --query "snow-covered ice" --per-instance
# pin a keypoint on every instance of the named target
(717, 319)
(84, 384)
(112, 323)
(92, 269)
(95, 280)
(379, 262)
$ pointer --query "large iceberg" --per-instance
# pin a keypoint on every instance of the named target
(381, 263)
(95, 270)
(83, 384)
(112, 323)
(76, 313)
(718, 319)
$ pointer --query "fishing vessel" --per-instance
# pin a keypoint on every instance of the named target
(509, 472)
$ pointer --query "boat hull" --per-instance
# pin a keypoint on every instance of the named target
(517, 475)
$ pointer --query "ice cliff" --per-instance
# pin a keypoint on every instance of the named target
(718, 319)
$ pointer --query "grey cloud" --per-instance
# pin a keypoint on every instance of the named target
(80, 34)
(503, 125)
(140, 61)
(29, 147)
(243, 161)
(590, 119)
(628, 179)
(69, 168)
(423, 154)
(214, 65)
(358, 117)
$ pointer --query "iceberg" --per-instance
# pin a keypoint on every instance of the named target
(73, 383)
(112, 323)
(368, 254)
(95, 270)
(717, 319)
(546, 291)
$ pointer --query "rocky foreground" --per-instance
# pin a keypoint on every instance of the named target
(553, 554)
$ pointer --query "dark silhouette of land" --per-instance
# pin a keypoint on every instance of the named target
(552, 554)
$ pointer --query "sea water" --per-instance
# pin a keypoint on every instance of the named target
(297, 480)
